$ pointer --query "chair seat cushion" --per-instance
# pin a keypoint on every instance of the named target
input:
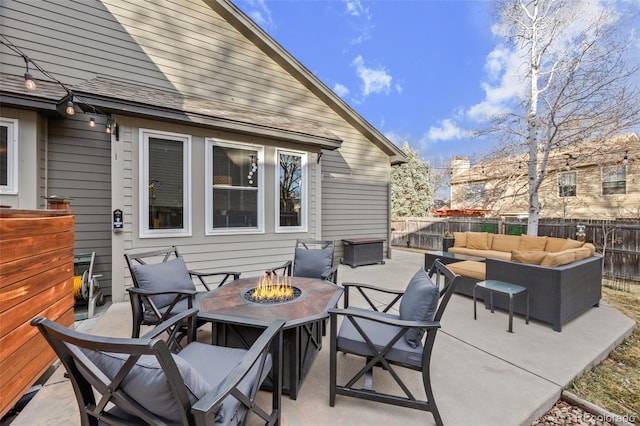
(350, 340)
(419, 303)
(165, 276)
(147, 384)
(202, 356)
(312, 263)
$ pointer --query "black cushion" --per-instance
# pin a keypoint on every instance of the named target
(350, 340)
(169, 275)
(312, 263)
(419, 303)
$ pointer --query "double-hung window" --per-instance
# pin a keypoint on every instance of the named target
(614, 180)
(234, 178)
(165, 184)
(567, 184)
(8, 156)
(474, 193)
(291, 190)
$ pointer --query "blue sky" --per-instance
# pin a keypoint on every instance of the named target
(411, 68)
(420, 71)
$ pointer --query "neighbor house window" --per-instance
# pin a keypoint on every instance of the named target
(165, 184)
(8, 156)
(567, 184)
(614, 180)
(474, 192)
(235, 184)
(291, 210)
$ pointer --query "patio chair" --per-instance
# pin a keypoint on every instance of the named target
(139, 381)
(387, 340)
(312, 259)
(166, 287)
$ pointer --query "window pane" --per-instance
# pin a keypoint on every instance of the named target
(166, 186)
(290, 190)
(4, 156)
(235, 187)
(567, 185)
(614, 180)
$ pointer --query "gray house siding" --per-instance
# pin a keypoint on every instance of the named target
(79, 167)
(209, 50)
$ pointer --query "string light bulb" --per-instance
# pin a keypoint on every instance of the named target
(29, 82)
(70, 109)
(92, 122)
(625, 159)
(107, 128)
(567, 166)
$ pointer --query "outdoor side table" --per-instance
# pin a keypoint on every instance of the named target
(501, 287)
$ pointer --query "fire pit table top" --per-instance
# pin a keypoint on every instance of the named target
(228, 304)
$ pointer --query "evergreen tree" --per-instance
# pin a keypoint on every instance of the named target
(411, 187)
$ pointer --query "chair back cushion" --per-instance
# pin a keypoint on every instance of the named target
(147, 383)
(419, 303)
(312, 263)
(169, 275)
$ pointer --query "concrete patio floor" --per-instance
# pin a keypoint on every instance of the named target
(481, 374)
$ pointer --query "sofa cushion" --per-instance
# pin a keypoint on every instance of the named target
(469, 268)
(591, 247)
(533, 257)
(529, 243)
(570, 244)
(419, 303)
(478, 240)
(581, 253)
(559, 258)
(503, 242)
(460, 239)
(554, 244)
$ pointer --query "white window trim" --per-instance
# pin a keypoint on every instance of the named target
(11, 187)
(209, 229)
(304, 200)
(626, 180)
(145, 232)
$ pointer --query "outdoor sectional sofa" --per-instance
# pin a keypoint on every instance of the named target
(563, 276)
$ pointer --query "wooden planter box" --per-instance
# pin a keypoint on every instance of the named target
(36, 279)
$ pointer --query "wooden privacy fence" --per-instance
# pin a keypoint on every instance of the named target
(618, 240)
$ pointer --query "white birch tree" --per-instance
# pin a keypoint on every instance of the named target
(412, 187)
(576, 83)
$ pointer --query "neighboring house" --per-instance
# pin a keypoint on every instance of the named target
(586, 181)
(220, 141)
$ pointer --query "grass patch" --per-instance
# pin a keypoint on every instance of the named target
(614, 384)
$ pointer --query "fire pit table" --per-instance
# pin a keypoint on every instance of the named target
(238, 320)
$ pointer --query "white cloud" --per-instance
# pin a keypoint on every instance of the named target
(447, 130)
(355, 8)
(260, 13)
(340, 90)
(374, 80)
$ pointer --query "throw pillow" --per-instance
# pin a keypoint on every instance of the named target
(460, 239)
(534, 257)
(147, 383)
(530, 243)
(570, 244)
(503, 242)
(478, 240)
(559, 258)
(419, 303)
(554, 244)
(312, 263)
(165, 276)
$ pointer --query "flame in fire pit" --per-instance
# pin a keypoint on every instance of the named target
(273, 288)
